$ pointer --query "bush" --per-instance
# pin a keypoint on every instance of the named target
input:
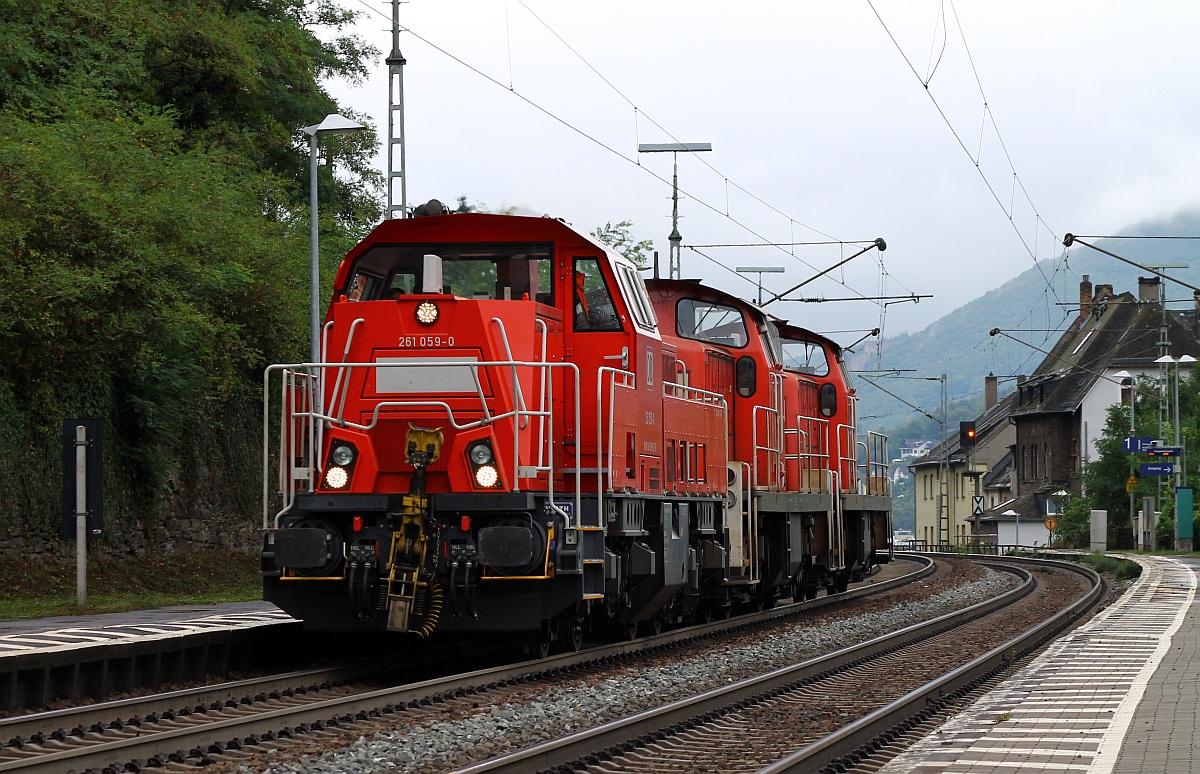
(1121, 569)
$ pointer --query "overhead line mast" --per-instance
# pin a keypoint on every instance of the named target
(395, 63)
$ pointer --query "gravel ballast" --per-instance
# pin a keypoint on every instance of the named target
(518, 716)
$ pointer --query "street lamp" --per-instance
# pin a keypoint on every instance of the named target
(1183, 360)
(1125, 376)
(333, 124)
(1017, 533)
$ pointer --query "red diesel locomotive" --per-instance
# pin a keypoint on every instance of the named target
(511, 433)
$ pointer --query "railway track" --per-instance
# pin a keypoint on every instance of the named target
(833, 711)
(199, 726)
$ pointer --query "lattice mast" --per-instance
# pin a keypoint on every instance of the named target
(396, 173)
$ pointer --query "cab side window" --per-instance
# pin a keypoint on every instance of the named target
(594, 310)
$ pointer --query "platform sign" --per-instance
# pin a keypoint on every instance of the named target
(1165, 451)
(1135, 444)
(977, 505)
(1157, 468)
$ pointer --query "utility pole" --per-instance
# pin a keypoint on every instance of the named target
(395, 63)
(943, 515)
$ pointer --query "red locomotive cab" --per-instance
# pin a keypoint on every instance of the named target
(726, 346)
(822, 441)
(411, 323)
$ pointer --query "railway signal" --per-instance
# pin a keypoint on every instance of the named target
(966, 434)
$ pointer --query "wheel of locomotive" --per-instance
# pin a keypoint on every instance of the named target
(810, 591)
(708, 615)
(629, 630)
(842, 583)
(571, 633)
(543, 641)
(654, 626)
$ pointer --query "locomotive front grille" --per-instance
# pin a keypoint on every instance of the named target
(388, 438)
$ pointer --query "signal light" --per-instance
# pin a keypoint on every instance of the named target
(966, 434)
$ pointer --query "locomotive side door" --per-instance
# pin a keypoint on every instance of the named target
(600, 344)
(718, 378)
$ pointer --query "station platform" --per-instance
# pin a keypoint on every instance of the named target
(24, 636)
(1119, 694)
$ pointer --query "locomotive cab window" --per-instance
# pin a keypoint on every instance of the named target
(805, 357)
(594, 310)
(635, 294)
(711, 322)
(502, 272)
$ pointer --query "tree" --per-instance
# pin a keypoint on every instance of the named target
(619, 238)
(153, 237)
(1104, 479)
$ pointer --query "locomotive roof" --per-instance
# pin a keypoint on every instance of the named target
(468, 227)
(472, 226)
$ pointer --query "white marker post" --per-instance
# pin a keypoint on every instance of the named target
(81, 515)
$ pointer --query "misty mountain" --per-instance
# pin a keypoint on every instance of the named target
(1034, 307)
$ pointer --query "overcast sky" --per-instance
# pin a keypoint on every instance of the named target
(821, 129)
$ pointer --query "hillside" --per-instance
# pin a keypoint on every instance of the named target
(1025, 307)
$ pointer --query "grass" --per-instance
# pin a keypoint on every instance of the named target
(35, 589)
(1122, 569)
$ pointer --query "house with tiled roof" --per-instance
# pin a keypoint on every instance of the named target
(949, 476)
(1060, 410)
(1055, 416)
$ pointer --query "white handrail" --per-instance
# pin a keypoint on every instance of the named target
(316, 417)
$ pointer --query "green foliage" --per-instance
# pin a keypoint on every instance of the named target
(1104, 479)
(1164, 529)
(1075, 524)
(117, 584)
(619, 237)
(1122, 569)
(154, 236)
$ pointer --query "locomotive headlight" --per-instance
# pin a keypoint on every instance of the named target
(336, 477)
(481, 454)
(342, 454)
(486, 476)
(427, 313)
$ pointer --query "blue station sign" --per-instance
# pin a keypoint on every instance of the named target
(1158, 468)
(1135, 444)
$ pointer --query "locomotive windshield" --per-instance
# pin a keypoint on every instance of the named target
(513, 272)
(711, 322)
(805, 357)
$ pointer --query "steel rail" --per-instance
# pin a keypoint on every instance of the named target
(152, 739)
(573, 747)
(867, 732)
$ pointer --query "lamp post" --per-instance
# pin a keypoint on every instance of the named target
(333, 124)
(1181, 476)
(1125, 376)
(1017, 533)
(1168, 361)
